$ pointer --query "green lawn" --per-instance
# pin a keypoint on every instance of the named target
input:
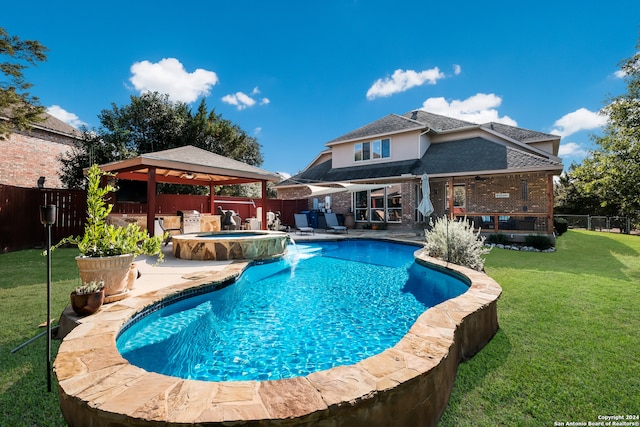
(568, 348)
(24, 400)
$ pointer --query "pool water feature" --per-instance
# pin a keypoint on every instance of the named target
(323, 305)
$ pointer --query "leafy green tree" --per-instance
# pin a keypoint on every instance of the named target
(571, 198)
(211, 132)
(20, 107)
(151, 122)
(611, 172)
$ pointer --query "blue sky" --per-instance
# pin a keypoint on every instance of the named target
(296, 74)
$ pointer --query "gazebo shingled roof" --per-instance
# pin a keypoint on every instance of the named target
(191, 166)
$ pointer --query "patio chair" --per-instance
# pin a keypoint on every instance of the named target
(302, 225)
(166, 231)
(332, 222)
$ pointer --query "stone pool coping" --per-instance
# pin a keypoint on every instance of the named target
(230, 245)
(408, 384)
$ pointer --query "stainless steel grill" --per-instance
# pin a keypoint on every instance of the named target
(189, 221)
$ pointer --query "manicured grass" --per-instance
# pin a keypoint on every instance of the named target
(24, 400)
(568, 348)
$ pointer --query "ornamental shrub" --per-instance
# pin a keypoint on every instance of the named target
(455, 241)
(561, 225)
(538, 241)
(498, 239)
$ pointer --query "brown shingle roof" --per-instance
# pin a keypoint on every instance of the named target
(50, 123)
(464, 156)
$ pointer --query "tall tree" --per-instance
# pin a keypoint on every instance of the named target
(211, 132)
(570, 198)
(611, 172)
(20, 107)
(151, 122)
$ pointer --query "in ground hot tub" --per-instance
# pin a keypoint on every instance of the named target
(230, 245)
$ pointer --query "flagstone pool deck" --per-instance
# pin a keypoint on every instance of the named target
(406, 385)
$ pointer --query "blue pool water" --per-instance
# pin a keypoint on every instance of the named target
(322, 305)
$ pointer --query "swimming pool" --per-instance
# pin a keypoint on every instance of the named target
(323, 305)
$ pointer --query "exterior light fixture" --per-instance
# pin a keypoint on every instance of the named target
(48, 218)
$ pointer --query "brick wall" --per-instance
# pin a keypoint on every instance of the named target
(24, 157)
(340, 202)
(480, 196)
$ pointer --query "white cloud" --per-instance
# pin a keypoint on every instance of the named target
(620, 74)
(263, 101)
(581, 119)
(69, 118)
(169, 76)
(241, 100)
(257, 131)
(457, 69)
(479, 108)
(402, 80)
(284, 175)
(571, 149)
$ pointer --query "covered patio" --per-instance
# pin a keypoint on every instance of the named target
(189, 165)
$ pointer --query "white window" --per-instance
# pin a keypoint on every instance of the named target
(379, 205)
(377, 149)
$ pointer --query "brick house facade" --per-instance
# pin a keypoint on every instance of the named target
(25, 156)
(499, 176)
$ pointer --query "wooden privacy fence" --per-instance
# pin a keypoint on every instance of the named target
(20, 226)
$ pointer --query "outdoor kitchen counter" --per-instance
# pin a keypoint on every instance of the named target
(208, 222)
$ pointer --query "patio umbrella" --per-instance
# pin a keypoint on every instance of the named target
(425, 207)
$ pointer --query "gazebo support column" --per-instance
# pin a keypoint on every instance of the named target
(212, 198)
(151, 201)
(264, 205)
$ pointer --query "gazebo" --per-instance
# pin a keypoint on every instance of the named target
(188, 165)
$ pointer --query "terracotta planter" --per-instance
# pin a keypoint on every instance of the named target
(112, 270)
(87, 304)
(349, 220)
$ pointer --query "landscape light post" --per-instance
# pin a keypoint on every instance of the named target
(48, 218)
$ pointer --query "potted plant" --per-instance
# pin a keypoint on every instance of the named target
(87, 298)
(106, 250)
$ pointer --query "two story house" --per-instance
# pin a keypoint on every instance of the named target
(499, 176)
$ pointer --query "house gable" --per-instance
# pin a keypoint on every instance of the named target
(464, 157)
(543, 141)
(437, 122)
(387, 125)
